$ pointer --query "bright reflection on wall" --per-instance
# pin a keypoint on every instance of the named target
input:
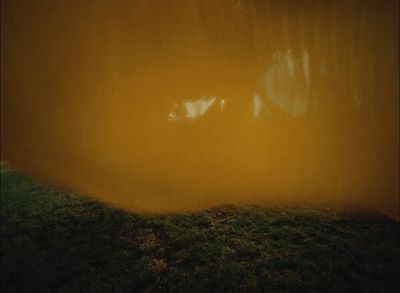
(287, 82)
(192, 109)
(257, 106)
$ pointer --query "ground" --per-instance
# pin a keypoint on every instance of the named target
(56, 241)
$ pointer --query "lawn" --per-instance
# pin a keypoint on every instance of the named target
(56, 241)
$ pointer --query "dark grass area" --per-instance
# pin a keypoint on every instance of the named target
(54, 241)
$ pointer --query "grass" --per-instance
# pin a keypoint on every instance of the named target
(55, 241)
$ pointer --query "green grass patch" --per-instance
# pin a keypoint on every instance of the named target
(56, 241)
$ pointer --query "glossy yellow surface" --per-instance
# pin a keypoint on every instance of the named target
(163, 106)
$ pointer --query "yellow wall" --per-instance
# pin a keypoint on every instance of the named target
(180, 105)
